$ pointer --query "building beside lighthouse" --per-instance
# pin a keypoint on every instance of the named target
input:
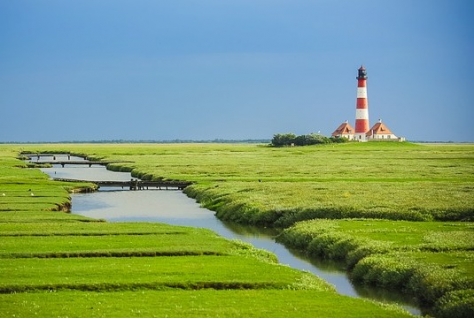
(380, 131)
(362, 132)
(344, 130)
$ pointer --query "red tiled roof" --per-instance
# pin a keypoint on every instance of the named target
(379, 128)
(344, 128)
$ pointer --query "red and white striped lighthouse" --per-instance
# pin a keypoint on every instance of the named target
(362, 107)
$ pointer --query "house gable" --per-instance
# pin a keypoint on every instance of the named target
(343, 130)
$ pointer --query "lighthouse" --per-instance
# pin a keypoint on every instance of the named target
(362, 131)
(362, 107)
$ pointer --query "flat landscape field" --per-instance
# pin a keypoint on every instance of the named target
(400, 215)
(399, 181)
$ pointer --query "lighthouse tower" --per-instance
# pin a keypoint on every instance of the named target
(362, 107)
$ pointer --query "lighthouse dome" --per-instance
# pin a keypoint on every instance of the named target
(362, 73)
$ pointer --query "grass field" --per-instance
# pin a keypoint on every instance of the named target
(425, 259)
(249, 303)
(279, 186)
(401, 213)
(54, 264)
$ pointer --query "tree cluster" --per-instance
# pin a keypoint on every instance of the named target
(290, 139)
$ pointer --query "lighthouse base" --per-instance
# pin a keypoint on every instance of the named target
(360, 137)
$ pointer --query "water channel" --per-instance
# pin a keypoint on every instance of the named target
(173, 207)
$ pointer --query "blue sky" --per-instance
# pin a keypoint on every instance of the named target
(183, 69)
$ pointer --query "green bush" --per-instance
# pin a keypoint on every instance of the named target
(332, 246)
(283, 139)
(382, 271)
(456, 304)
(288, 139)
(430, 282)
(368, 248)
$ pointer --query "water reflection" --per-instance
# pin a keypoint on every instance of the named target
(173, 207)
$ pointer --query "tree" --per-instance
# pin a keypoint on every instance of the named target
(283, 139)
(288, 139)
(339, 139)
(311, 139)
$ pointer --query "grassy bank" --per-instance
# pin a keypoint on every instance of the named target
(54, 264)
(413, 186)
(429, 260)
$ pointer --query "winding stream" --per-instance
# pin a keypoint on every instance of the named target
(174, 207)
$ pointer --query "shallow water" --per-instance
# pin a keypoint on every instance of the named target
(174, 207)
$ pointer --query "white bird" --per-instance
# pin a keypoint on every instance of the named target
(32, 194)
(3, 194)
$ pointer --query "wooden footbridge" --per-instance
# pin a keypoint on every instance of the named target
(135, 184)
(63, 163)
(55, 161)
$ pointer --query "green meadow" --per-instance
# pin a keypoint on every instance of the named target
(278, 186)
(399, 215)
(55, 264)
(432, 261)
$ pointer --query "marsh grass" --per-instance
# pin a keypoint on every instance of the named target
(432, 277)
(30, 217)
(427, 260)
(279, 186)
(281, 204)
(176, 271)
(27, 189)
(119, 244)
(351, 240)
(57, 264)
(261, 185)
(250, 303)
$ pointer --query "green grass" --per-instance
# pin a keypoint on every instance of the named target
(26, 189)
(279, 186)
(431, 236)
(54, 264)
(431, 277)
(192, 303)
(34, 216)
(421, 195)
(427, 260)
(187, 272)
(106, 244)
(281, 204)
(70, 226)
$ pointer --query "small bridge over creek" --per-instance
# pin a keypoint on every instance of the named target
(134, 184)
(63, 163)
(56, 161)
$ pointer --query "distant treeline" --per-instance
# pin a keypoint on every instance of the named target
(226, 141)
(290, 139)
(286, 139)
